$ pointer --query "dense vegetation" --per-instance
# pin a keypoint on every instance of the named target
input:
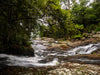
(74, 20)
(16, 22)
(18, 18)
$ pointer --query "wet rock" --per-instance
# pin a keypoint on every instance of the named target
(48, 39)
(83, 38)
(96, 51)
(98, 32)
(38, 39)
(46, 44)
(96, 36)
(85, 59)
(57, 46)
(93, 32)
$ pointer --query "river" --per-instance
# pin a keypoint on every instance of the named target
(44, 57)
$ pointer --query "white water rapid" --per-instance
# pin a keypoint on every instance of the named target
(45, 57)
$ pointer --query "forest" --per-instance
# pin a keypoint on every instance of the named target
(20, 18)
(49, 37)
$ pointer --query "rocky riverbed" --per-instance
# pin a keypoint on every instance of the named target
(55, 57)
(76, 69)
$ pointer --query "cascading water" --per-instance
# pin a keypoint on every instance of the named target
(88, 49)
(45, 57)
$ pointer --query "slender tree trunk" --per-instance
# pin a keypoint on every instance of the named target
(69, 4)
(69, 11)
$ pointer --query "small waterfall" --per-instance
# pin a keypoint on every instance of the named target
(88, 49)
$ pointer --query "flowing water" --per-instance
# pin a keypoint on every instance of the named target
(45, 57)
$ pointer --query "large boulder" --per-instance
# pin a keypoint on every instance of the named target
(21, 51)
(96, 36)
(58, 46)
(98, 32)
(48, 39)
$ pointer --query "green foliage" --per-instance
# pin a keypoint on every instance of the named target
(86, 15)
(17, 21)
(61, 24)
(90, 28)
(78, 12)
(79, 36)
(18, 18)
(98, 27)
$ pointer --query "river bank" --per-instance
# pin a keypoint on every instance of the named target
(61, 69)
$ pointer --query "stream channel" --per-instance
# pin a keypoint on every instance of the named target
(44, 57)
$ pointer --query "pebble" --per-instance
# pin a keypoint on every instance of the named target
(79, 69)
